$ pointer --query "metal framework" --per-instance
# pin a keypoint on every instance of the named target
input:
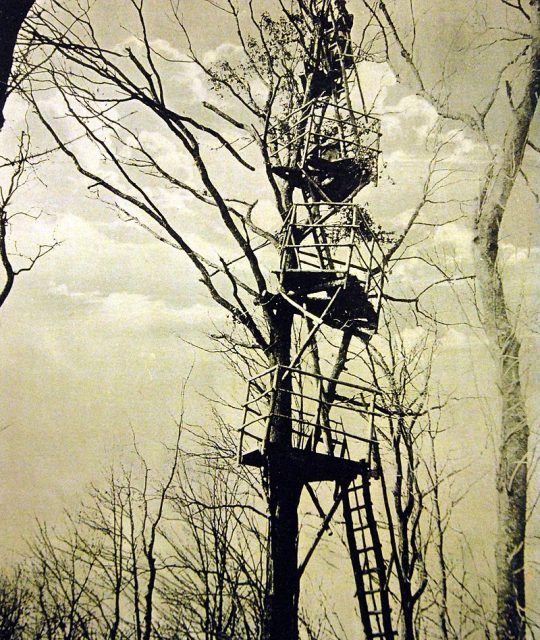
(328, 416)
(329, 249)
(331, 274)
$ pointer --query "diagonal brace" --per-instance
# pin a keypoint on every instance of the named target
(323, 528)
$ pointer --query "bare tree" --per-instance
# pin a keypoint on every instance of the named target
(112, 96)
(16, 174)
(142, 558)
(515, 89)
(15, 603)
(215, 571)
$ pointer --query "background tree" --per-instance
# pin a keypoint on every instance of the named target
(15, 604)
(13, 170)
(117, 99)
(514, 96)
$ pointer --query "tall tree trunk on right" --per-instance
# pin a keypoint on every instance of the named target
(514, 431)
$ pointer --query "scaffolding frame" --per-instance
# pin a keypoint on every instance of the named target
(349, 435)
(334, 239)
(323, 122)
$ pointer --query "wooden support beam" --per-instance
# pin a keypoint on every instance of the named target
(324, 527)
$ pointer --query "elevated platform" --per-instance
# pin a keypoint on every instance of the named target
(311, 466)
(336, 179)
(306, 282)
(328, 424)
(329, 242)
(332, 246)
(351, 307)
(326, 143)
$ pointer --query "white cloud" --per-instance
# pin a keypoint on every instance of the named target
(401, 220)
(511, 255)
(224, 51)
(412, 113)
(135, 311)
(464, 149)
(376, 78)
(412, 336)
(455, 238)
(455, 339)
(399, 157)
(166, 49)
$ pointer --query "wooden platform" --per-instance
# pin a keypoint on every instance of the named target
(311, 466)
(352, 307)
(313, 281)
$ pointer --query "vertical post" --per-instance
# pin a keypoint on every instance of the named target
(352, 233)
(373, 453)
(370, 266)
(307, 135)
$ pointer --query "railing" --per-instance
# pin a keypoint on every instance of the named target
(334, 237)
(323, 415)
(322, 128)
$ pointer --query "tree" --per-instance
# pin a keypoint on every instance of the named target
(177, 556)
(12, 15)
(135, 76)
(15, 601)
(16, 174)
(98, 574)
(515, 88)
(13, 170)
(119, 99)
(215, 569)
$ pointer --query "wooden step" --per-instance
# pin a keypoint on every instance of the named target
(366, 550)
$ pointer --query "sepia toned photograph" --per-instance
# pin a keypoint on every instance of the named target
(269, 319)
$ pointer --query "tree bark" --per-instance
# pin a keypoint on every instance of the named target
(283, 491)
(12, 15)
(281, 604)
(514, 430)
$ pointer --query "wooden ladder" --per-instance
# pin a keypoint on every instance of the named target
(367, 560)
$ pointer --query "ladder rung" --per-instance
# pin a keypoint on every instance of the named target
(372, 592)
(361, 506)
(369, 571)
(366, 550)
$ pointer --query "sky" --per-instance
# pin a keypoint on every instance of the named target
(97, 340)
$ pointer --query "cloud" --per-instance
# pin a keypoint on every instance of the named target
(413, 336)
(412, 115)
(166, 49)
(376, 79)
(168, 152)
(229, 51)
(511, 255)
(456, 239)
(464, 149)
(455, 339)
(123, 311)
(399, 157)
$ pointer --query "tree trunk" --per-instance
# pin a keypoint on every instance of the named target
(281, 604)
(12, 15)
(514, 432)
(283, 494)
